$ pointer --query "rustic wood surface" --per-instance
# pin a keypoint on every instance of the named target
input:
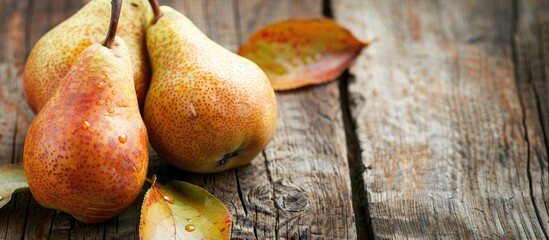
(439, 130)
(449, 108)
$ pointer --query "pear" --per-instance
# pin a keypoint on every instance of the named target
(86, 152)
(53, 55)
(207, 109)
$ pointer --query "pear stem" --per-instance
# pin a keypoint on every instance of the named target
(116, 7)
(156, 10)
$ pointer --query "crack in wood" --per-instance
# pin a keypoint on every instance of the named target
(529, 173)
(270, 177)
(356, 165)
(543, 31)
(360, 206)
(528, 82)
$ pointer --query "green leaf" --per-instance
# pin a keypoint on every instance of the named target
(180, 210)
(12, 178)
(296, 53)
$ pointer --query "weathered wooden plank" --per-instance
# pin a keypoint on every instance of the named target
(531, 55)
(11, 55)
(39, 220)
(126, 225)
(306, 162)
(447, 146)
(12, 51)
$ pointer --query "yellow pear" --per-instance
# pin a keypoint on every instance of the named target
(86, 151)
(54, 54)
(207, 109)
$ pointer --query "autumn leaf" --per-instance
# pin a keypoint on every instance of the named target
(180, 210)
(12, 178)
(296, 53)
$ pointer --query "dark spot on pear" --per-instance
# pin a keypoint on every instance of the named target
(227, 158)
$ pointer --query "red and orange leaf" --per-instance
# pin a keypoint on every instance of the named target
(296, 53)
(180, 210)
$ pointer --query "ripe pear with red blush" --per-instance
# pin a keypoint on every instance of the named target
(207, 109)
(86, 151)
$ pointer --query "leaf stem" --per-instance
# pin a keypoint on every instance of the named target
(116, 7)
(156, 9)
(151, 181)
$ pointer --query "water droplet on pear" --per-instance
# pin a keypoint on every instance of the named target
(85, 125)
(122, 138)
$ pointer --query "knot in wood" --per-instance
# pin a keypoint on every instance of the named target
(292, 202)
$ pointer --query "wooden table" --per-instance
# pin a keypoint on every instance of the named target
(439, 130)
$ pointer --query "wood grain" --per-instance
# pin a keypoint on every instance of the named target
(13, 121)
(531, 55)
(450, 146)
